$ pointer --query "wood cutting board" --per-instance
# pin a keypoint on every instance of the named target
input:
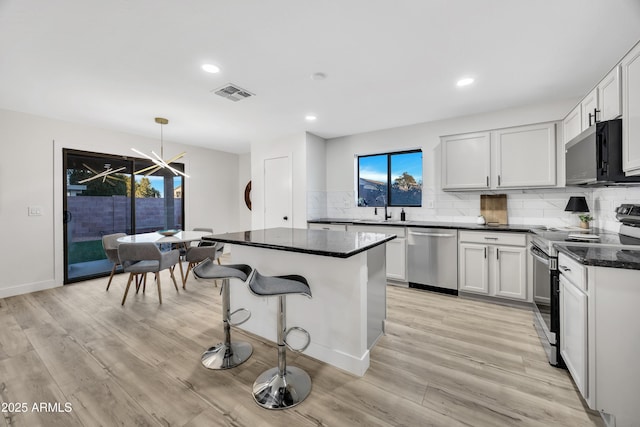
(494, 208)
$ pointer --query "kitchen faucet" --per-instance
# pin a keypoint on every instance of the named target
(386, 217)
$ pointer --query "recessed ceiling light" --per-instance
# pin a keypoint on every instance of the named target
(318, 76)
(310, 118)
(465, 82)
(210, 68)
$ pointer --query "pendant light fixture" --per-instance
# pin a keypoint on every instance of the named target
(107, 176)
(158, 161)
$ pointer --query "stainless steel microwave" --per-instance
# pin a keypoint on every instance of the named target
(595, 156)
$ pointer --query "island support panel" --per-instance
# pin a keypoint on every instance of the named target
(346, 315)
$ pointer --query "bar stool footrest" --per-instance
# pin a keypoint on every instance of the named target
(222, 357)
(241, 321)
(298, 329)
(274, 391)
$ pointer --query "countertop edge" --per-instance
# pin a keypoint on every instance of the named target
(319, 252)
(515, 228)
(595, 262)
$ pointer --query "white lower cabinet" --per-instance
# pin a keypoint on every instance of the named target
(473, 268)
(599, 330)
(396, 259)
(573, 332)
(322, 226)
(396, 249)
(511, 272)
(491, 268)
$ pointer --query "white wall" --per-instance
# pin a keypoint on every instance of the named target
(524, 206)
(316, 148)
(31, 174)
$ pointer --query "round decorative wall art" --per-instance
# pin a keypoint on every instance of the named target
(247, 195)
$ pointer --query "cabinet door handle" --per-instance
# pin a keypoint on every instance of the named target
(595, 115)
(563, 268)
(590, 115)
(490, 238)
(485, 251)
(487, 180)
(497, 253)
(498, 180)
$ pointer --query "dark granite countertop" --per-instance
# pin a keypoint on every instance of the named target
(339, 244)
(429, 224)
(602, 256)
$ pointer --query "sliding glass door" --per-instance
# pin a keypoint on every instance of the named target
(98, 200)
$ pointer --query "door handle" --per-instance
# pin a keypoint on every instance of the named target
(286, 218)
(414, 233)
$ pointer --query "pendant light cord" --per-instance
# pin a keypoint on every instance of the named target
(161, 141)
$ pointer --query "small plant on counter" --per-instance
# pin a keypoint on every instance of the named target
(585, 218)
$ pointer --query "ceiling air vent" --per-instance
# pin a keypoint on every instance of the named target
(233, 92)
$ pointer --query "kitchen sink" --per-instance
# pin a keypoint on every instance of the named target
(380, 221)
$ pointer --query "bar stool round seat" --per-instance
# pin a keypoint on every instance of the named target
(227, 354)
(284, 386)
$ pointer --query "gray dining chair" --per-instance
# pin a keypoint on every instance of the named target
(110, 245)
(197, 254)
(140, 258)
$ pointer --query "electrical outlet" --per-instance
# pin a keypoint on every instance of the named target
(429, 204)
(34, 211)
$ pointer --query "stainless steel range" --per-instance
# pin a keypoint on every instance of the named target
(545, 270)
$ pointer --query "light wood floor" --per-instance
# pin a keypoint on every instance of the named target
(444, 361)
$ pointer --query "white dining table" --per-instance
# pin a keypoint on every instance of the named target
(184, 237)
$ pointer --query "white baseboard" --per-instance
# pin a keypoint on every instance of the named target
(26, 288)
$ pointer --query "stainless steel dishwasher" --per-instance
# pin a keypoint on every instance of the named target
(433, 259)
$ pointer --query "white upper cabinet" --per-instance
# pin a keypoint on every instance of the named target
(602, 103)
(526, 156)
(631, 112)
(588, 108)
(572, 124)
(609, 99)
(518, 157)
(466, 161)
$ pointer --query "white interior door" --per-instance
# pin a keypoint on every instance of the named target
(278, 193)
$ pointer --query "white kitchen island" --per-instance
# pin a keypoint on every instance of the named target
(347, 275)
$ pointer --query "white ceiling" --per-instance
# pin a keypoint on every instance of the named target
(118, 64)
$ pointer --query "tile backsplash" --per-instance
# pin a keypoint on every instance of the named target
(543, 207)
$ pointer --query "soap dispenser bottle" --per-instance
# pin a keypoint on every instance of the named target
(403, 216)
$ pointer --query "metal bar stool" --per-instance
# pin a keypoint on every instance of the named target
(227, 354)
(284, 386)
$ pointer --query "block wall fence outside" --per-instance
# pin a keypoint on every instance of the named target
(95, 216)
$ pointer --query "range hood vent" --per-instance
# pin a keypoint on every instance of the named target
(233, 92)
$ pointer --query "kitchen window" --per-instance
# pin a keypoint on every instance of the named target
(392, 179)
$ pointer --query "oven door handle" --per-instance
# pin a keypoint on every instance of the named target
(538, 254)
